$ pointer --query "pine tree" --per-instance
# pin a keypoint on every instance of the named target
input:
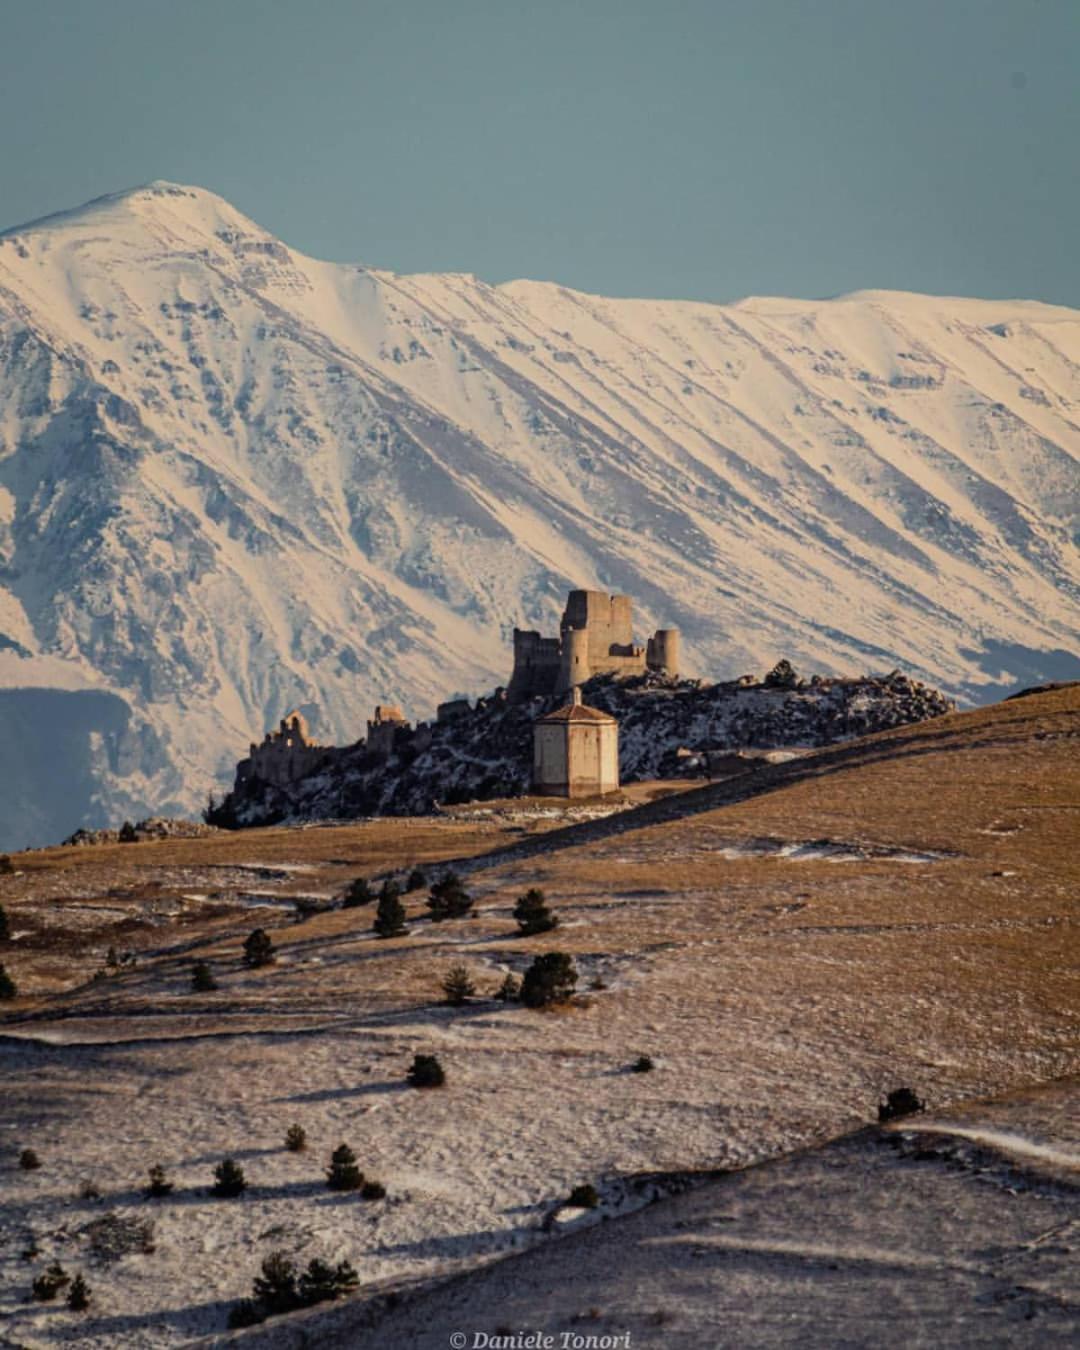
(29, 1160)
(358, 893)
(551, 978)
(417, 880)
(159, 1187)
(229, 1180)
(426, 1072)
(449, 899)
(532, 913)
(296, 1139)
(583, 1197)
(782, 676)
(390, 915)
(457, 986)
(5, 927)
(48, 1284)
(510, 989)
(8, 987)
(127, 833)
(321, 1282)
(78, 1299)
(258, 949)
(275, 1286)
(202, 978)
(343, 1173)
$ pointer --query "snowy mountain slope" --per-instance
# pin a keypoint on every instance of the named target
(234, 479)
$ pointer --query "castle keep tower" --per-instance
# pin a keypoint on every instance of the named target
(596, 637)
(575, 751)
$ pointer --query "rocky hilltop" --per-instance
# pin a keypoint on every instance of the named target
(666, 727)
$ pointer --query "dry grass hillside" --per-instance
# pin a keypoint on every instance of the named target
(785, 947)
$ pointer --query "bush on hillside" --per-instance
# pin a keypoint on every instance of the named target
(78, 1299)
(343, 1174)
(390, 915)
(510, 989)
(552, 978)
(448, 899)
(533, 915)
(202, 978)
(583, 1197)
(426, 1072)
(229, 1180)
(159, 1186)
(296, 1139)
(258, 948)
(49, 1283)
(417, 880)
(457, 986)
(8, 987)
(29, 1160)
(900, 1102)
(5, 927)
(358, 893)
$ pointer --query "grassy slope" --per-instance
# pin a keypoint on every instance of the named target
(778, 996)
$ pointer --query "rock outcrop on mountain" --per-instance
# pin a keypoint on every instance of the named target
(235, 480)
(666, 727)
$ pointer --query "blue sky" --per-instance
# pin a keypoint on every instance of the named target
(692, 148)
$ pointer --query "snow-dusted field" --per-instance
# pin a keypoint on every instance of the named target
(234, 479)
(778, 995)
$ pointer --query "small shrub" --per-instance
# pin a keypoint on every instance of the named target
(8, 987)
(49, 1283)
(426, 1072)
(78, 1299)
(552, 978)
(6, 865)
(275, 1286)
(244, 1314)
(583, 1197)
(322, 1283)
(417, 880)
(115, 1235)
(202, 978)
(533, 915)
(448, 899)
(782, 676)
(29, 1160)
(127, 833)
(159, 1186)
(229, 1180)
(900, 1102)
(510, 989)
(258, 949)
(643, 1064)
(457, 986)
(343, 1173)
(357, 893)
(296, 1139)
(372, 1190)
(390, 915)
(5, 927)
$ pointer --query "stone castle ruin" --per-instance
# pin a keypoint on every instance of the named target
(283, 755)
(596, 637)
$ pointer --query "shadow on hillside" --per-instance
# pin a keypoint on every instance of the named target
(340, 1094)
(194, 1319)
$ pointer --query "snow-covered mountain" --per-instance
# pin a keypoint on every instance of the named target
(234, 480)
